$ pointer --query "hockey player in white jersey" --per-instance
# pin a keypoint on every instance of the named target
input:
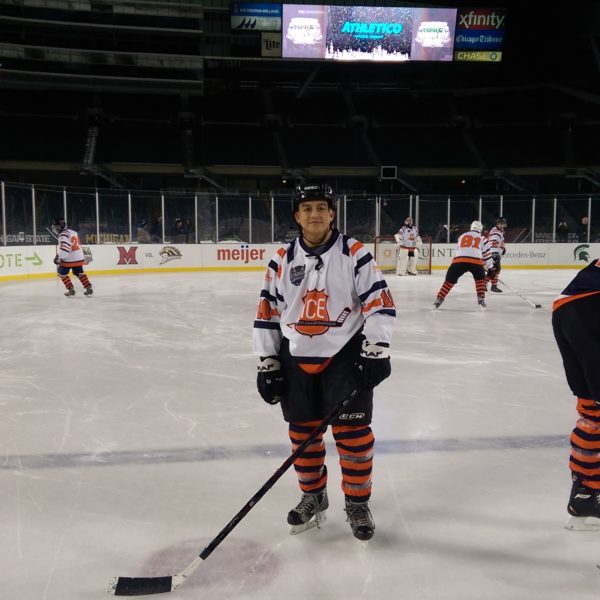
(409, 246)
(69, 257)
(323, 328)
(497, 248)
(471, 254)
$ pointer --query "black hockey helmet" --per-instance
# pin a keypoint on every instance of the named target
(59, 225)
(501, 221)
(313, 191)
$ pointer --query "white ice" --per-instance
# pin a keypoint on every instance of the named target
(131, 433)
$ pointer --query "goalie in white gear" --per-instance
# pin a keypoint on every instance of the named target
(409, 246)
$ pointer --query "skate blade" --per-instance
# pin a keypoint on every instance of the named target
(582, 524)
(316, 522)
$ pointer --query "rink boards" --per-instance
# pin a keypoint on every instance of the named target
(23, 262)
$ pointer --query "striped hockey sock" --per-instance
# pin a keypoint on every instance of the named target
(585, 444)
(355, 448)
(84, 280)
(310, 465)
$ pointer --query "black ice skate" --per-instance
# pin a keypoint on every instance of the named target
(70, 292)
(438, 302)
(583, 503)
(495, 288)
(360, 519)
(481, 302)
(309, 513)
(88, 291)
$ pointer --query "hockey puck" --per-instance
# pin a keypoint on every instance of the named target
(538, 306)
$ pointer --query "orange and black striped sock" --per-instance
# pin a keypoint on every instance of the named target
(310, 465)
(585, 444)
(67, 281)
(445, 289)
(480, 287)
(354, 444)
(84, 280)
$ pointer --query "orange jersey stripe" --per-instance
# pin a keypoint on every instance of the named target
(355, 248)
(558, 303)
(465, 259)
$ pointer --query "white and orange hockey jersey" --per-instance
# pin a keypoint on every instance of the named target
(408, 237)
(496, 240)
(70, 252)
(319, 302)
(472, 247)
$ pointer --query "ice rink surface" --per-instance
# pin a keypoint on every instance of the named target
(131, 433)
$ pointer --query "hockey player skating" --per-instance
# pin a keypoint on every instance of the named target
(496, 242)
(472, 253)
(69, 257)
(323, 328)
(409, 246)
(576, 325)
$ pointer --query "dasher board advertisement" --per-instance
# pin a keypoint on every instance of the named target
(256, 17)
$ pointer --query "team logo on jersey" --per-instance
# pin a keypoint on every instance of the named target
(169, 253)
(315, 318)
(297, 274)
(87, 255)
(582, 253)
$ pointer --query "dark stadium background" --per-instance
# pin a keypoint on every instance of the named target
(164, 95)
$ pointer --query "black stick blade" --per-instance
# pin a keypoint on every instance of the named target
(141, 586)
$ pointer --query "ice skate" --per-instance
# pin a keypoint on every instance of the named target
(584, 503)
(411, 273)
(70, 292)
(438, 302)
(495, 288)
(309, 513)
(481, 302)
(360, 519)
(88, 291)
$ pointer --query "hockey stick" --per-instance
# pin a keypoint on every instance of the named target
(141, 586)
(520, 295)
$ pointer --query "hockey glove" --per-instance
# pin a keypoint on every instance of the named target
(373, 365)
(496, 259)
(270, 380)
(56, 260)
(491, 273)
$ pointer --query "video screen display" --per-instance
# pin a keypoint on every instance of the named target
(371, 33)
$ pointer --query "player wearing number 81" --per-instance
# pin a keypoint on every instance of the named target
(471, 255)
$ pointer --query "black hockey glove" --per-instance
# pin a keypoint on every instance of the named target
(270, 380)
(496, 259)
(491, 273)
(56, 260)
(373, 365)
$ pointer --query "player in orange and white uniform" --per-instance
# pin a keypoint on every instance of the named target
(471, 255)
(70, 257)
(497, 248)
(323, 328)
(409, 245)
(576, 325)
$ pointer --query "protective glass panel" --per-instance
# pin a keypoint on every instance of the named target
(261, 220)
(544, 219)
(19, 215)
(81, 214)
(146, 217)
(179, 218)
(463, 211)
(393, 213)
(207, 223)
(49, 204)
(570, 223)
(114, 217)
(233, 218)
(359, 221)
(433, 218)
(517, 212)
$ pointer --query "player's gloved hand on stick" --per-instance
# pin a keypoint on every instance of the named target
(270, 380)
(496, 259)
(56, 260)
(491, 273)
(373, 364)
